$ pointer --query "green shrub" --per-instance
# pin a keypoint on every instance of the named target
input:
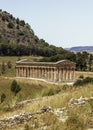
(51, 91)
(84, 81)
(20, 33)
(88, 80)
(81, 76)
(3, 96)
(15, 88)
(79, 82)
(10, 25)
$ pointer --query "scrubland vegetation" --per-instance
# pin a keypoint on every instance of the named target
(48, 94)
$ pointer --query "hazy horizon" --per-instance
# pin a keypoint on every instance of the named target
(64, 23)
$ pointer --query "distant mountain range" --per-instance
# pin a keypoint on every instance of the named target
(88, 49)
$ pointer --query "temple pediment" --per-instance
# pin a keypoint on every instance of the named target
(65, 62)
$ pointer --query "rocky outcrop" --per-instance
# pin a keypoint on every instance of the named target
(20, 118)
(61, 113)
(15, 120)
(80, 101)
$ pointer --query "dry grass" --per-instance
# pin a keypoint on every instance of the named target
(35, 89)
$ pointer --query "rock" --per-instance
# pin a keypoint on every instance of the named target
(45, 108)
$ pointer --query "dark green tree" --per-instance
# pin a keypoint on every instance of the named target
(3, 96)
(10, 25)
(3, 68)
(90, 61)
(81, 60)
(15, 87)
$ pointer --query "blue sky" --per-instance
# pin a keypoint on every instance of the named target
(64, 23)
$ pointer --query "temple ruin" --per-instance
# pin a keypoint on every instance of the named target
(61, 71)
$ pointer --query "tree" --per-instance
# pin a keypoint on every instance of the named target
(81, 60)
(2, 97)
(90, 61)
(10, 25)
(15, 87)
(3, 68)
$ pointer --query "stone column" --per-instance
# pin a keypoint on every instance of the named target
(73, 74)
(60, 75)
(51, 74)
(48, 73)
(66, 74)
(31, 72)
(20, 72)
(37, 72)
(28, 71)
(70, 74)
(40, 72)
(45, 73)
(55, 74)
(24, 71)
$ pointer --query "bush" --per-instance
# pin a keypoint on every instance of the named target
(10, 25)
(15, 88)
(79, 82)
(81, 76)
(3, 96)
(22, 22)
(84, 81)
(50, 92)
(3, 68)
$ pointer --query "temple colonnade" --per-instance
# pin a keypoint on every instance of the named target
(51, 72)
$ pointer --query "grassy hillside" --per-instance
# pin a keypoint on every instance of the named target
(80, 117)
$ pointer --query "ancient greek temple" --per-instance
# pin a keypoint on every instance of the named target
(60, 71)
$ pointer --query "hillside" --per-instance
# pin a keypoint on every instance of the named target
(17, 38)
(88, 49)
(14, 30)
